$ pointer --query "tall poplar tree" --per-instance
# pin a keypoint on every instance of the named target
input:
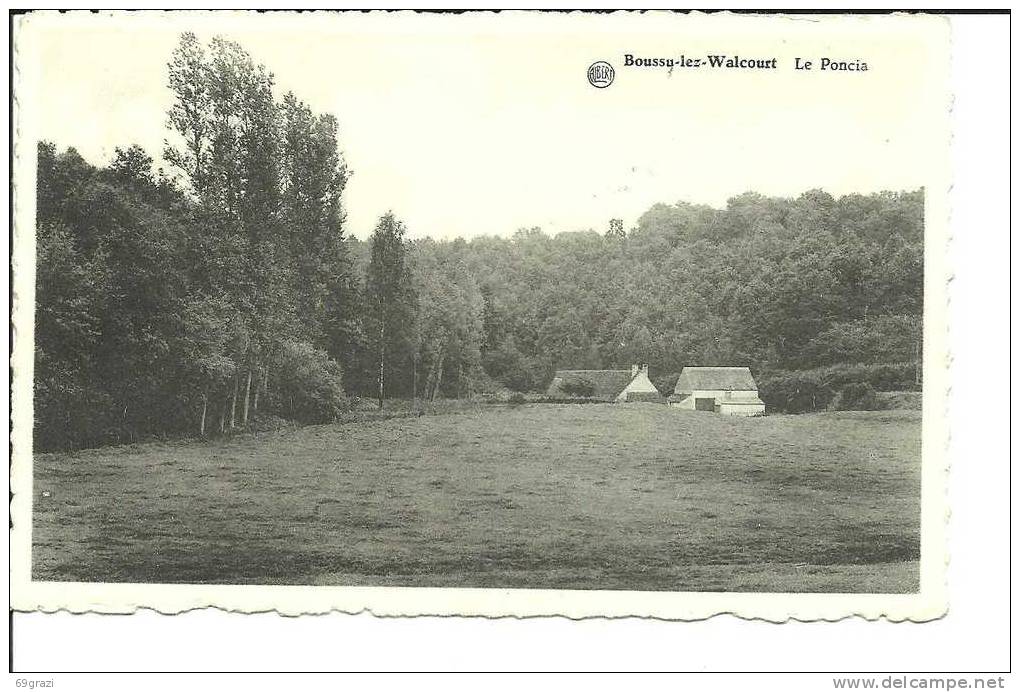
(268, 180)
(389, 298)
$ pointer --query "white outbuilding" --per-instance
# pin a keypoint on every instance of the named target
(730, 391)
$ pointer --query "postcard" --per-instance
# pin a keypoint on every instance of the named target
(481, 314)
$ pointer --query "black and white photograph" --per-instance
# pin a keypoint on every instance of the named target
(518, 314)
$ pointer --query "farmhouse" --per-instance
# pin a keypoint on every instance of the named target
(608, 385)
(730, 391)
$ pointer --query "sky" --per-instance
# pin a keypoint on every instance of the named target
(466, 125)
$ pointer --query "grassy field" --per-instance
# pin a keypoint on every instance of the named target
(635, 496)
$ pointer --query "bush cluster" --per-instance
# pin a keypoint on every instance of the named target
(856, 396)
(799, 391)
(310, 385)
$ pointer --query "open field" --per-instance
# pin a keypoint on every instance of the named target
(635, 496)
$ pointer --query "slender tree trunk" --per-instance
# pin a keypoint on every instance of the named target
(382, 362)
(205, 407)
(223, 415)
(414, 381)
(233, 405)
(430, 379)
(439, 377)
(247, 395)
(255, 396)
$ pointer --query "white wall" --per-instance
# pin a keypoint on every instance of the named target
(640, 384)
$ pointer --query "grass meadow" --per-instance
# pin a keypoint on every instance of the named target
(631, 496)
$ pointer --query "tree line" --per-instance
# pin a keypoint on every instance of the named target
(226, 290)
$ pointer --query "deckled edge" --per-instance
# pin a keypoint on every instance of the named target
(405, 602)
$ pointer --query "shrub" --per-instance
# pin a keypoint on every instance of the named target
(309, 386)
(798, 391)
(517, 398)
(478, 382)
(794, 392)
(362, 403)
(856, 396)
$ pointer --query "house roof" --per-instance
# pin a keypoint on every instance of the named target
(724, 378)
(607, 384)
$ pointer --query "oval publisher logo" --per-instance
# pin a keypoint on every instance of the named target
(601, 74)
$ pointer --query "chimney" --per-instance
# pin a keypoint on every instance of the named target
(634, 370)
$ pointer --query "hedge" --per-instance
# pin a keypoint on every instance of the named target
(799, 391)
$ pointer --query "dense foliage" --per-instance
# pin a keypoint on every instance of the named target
(190, 301)
(777, 284)
(194, 300)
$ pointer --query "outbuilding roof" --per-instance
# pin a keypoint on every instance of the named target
(722, 378)
(606, 384)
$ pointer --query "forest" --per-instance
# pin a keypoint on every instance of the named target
(225, 290)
